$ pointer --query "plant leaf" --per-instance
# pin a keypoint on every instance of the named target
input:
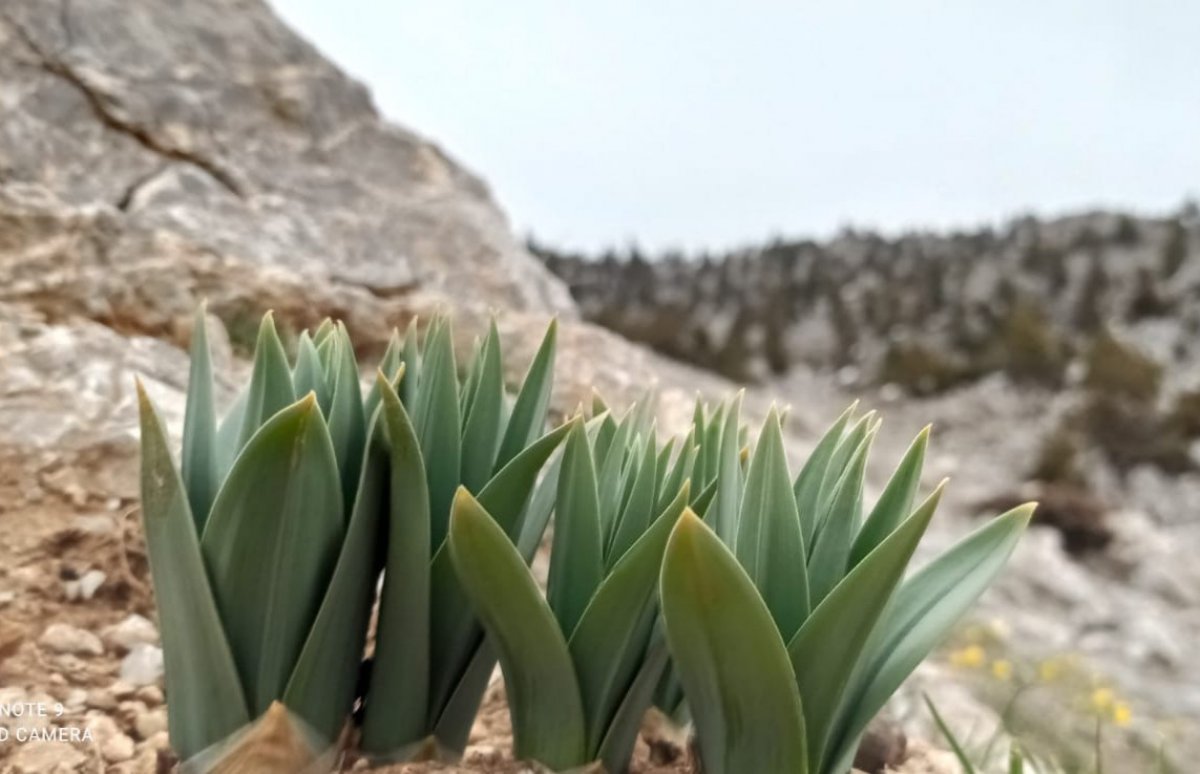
(322, 686)
(828, 646)
(270, 389)
(207, 702)
(925, 609)
(808, 482)
(200, 473)
(611, 637)
(309, 373)
(616, 749)
(439, 426)
(481, 431)
(455, 632)
(528, 417)
(347, 425)
(728, 504)
(639, 510)
(271, 544)
(576, 557)
(896, 501)
(769, 544)
(548, 721)
(831, 552)
(730, 658)
(396, 705)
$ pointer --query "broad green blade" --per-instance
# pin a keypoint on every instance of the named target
(323, 332)
(452, 726)
(710, 446)
(808, 482)
(679, 472)
(271, 544)
(438, 425)
(270, 389)
(309, 373)
(602, 433)
(895, 503)
(543, 699)
(528, 417)
(638, 510)
(200, 472)
(730, 659)
(347, 425)
(390, 364)
(926, 607)
(455, 632)
(412, 362)
(840, 460)
(598, 404)
(322, 686)
(831, 552)
(228, 431)
(610, 471)
(481, 432)
(506, 494)
(827, 648)
(576, 557)
(662, 465)
(616, 749)
(769, 545)
(704, 500)
(725, 509)
(207, 702)
(608, 644)
(536, 517)
(396, 705)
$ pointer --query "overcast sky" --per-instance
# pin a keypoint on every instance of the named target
(719, 122)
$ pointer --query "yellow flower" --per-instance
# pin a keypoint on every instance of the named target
(1102, 699)
(1049, 670)
(1122, 714)
(971, 657)
(1002, 669)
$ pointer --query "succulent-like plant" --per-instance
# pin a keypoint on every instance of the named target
(791, 629)
(262, 549)
(432, 662)
(266, 550)
(581, 664)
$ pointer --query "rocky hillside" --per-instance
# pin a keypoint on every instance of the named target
(923, 311)
(155, 155)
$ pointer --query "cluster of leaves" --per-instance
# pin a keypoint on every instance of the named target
(697, 574)
(786, 609)
(266, 550)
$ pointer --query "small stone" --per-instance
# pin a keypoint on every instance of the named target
(64, 638)
(90, 583)
(151, 695)
(117, 748)
(122, 690)
(102, 727)
(130, 632)
(49, 757)
(102, 698)
(95, 525)
(143, 665)
(149, 723)
(160, 741)
(6, 597)
(76, 699)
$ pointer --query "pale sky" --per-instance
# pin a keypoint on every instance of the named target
(714, 122)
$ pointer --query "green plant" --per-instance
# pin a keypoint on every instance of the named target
(581, 665)
(265, 550)
(791, 630)
(432, 661)
(260, 548)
